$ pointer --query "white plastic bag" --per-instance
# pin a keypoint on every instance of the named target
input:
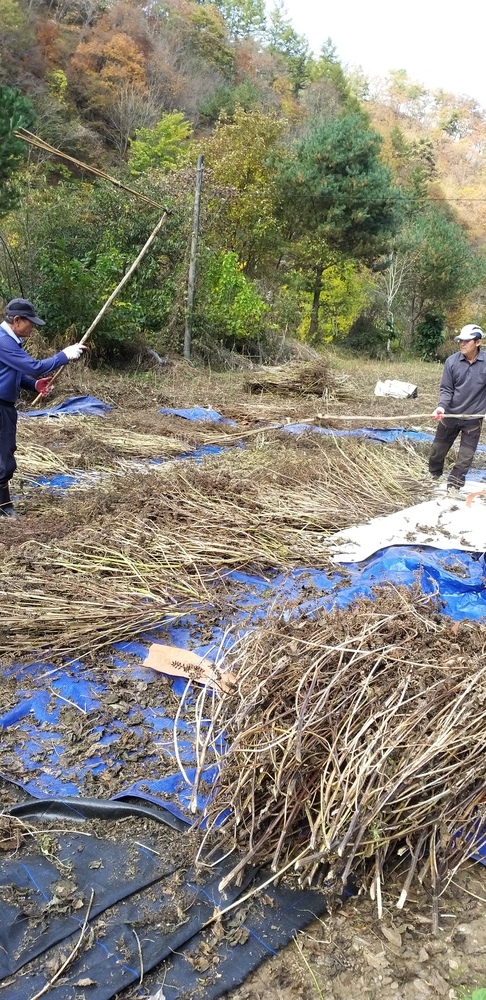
(398, 390)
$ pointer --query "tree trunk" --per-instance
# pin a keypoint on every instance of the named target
(191, 282)
(316, 300)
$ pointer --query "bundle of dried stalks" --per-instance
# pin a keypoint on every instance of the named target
(312, 486)
(255, 508)
(312, 377)
(78, 442)
(64, 601)
(349, 736)
(124, 551)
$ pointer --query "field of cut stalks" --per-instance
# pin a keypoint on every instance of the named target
(353, 735)
(146, 534)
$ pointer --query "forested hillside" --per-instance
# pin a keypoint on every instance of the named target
(333, 208)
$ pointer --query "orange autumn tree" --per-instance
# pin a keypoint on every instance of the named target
(103, 65)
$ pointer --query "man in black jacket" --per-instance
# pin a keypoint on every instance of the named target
(462, 390)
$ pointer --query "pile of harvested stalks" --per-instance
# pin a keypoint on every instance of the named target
(121, 553)
(284, 493)
(79, 442)
(61, 601)
(314, 377)
(350, 736)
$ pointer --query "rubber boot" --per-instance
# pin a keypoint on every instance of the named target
(6, 505)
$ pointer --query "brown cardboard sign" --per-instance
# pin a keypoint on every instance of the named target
(177, 662)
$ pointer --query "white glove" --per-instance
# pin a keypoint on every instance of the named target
(74, 352)
(438, 413)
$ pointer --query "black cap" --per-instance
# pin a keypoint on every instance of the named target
(25, 309)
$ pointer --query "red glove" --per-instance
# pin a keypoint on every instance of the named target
(44, 385)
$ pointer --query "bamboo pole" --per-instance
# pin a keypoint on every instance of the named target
(115, 291)
(38, 143)
(346, 417)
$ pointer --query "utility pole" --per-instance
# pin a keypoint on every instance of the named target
(191, 281)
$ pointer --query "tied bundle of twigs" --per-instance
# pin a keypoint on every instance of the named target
(350, 735)
(313, 377)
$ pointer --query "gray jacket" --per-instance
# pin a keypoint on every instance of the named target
(463, 385)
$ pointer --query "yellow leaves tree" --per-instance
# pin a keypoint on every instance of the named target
(239, 155)
(345, 292)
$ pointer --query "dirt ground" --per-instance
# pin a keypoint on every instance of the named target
(349, 954)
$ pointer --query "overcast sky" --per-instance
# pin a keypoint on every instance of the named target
(440, 44)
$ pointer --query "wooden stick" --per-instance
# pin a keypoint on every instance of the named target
(115, 291)
(340, 416)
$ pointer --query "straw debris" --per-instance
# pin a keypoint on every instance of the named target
(119, 553)
(352, 735)
(313, 377)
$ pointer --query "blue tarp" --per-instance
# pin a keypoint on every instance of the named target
(371, 433)
(88, 405)
(35, 719)
(199, 414)
(386, 435)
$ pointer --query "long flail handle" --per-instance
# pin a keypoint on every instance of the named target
(110, 299)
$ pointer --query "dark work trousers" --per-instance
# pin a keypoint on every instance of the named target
(8, 445)
(445, 435)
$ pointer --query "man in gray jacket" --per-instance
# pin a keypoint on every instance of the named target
(462, 390)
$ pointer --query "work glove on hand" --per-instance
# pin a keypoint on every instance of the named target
(438, 413)
(74, 352)
(44, 385)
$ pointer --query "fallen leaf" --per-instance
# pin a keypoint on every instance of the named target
(392, 935)
(376, 960)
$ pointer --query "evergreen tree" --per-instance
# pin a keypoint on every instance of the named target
(243, 18)
(292, 48)
(336, 196)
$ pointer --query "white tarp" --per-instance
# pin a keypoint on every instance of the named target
(449, 521)
(398, 390)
